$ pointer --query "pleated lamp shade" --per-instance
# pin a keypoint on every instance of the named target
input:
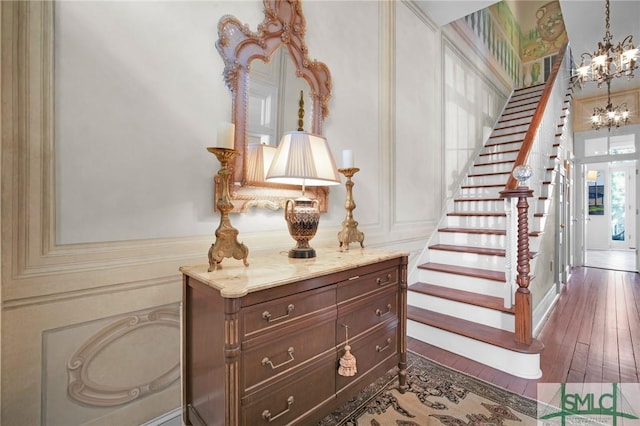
(303, 159)
(259, 159)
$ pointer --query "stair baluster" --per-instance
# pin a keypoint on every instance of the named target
(511, 247)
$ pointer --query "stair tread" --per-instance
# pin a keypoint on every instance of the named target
(508, 134)
(468, 297)
(532, 88)
(487, 231)
(473, 249)
(518, 106)
(509, 151)
(489, 174)
(468, 249)
(514, 119)
(494, 336)
(493, 185)
(519, 112)
(459, 200)
(502, 143)
(493, 163)
(511, 126)
(483, 231)
(525, 97)
(464, 270)
(497, 214)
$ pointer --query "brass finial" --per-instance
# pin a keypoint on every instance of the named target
(301, 113)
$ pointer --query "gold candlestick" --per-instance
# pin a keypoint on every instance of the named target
(350, 233)
(226, 244)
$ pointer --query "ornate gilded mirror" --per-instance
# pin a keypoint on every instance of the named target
(283, 26)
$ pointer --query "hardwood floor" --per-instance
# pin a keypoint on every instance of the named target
(592, 335)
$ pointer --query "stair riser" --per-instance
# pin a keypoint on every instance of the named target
(515, 120)
(502, 147)
(489, 317)
(528, 91)
(497, 156)
(492, 168)
(491, 222)
(518, 137)
(518, 364)
(524, 104)
(550, 175)
(460, 282)
(486, 222)
(539, 205)
(534, 247)
(471, 240)
(490, 192)
(472, 260)
(518, 113)
(511, 129)
(546, 190)
(500, 179)
(479, 206)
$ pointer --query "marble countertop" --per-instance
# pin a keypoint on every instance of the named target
(267, 270)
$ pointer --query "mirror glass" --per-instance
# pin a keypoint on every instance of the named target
(265, 71)
(274, 97)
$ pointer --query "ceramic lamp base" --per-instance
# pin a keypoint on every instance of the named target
(302, 216)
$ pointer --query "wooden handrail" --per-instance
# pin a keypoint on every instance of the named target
(536, 120)
(522, 302)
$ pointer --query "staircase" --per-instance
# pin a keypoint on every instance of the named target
(460, 299)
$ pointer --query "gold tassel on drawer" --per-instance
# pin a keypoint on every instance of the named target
(347, 361)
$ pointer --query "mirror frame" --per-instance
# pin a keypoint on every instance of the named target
(283, 25)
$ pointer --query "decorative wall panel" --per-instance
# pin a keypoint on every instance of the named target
(94, 368)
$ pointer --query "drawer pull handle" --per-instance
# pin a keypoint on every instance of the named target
(266, 414)
(382, 348)
(354, 278)
(387, 281)
(380, 313)
(267, 316)
(266, 360)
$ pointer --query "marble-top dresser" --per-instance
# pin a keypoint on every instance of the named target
(262, 343)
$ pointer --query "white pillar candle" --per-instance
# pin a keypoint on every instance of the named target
(347, 159)
(226, 135)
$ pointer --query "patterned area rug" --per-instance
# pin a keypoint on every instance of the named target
(436, 396)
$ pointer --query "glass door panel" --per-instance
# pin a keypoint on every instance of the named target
(618, 205)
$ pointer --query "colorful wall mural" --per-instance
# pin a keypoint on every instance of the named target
(500, 34)
(523, 36)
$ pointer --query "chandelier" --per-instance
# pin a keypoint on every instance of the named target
(608, 61)
(610, 116)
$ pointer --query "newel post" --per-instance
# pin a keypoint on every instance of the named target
(523, 331)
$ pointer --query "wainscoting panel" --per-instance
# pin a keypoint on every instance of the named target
(93, 369)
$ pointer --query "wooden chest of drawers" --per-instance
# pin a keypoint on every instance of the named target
(262, 344)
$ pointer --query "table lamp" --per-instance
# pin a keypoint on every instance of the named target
(303, 159)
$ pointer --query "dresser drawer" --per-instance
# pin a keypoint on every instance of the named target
(370, 350)
(285, 402)
(276, 313)
(276, 357)
(357, 286)
(365, 313)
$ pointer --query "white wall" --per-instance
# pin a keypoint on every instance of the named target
(107, 187)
